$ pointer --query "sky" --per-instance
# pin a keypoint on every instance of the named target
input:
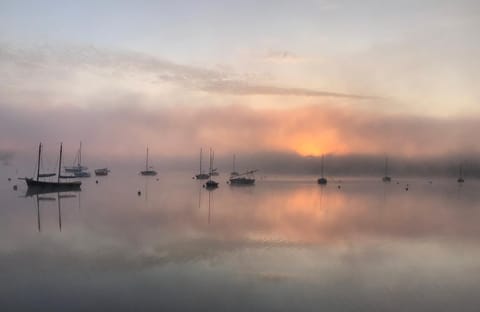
(303, 77)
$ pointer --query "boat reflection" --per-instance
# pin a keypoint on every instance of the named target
(43, 195)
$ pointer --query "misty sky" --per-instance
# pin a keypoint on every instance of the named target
(307, 77)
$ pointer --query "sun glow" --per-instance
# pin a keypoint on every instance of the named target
(310, 145)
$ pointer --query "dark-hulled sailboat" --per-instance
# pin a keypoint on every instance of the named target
(322, 180)
(148, 169)
(211, 184)
(460, 179)
(386, 178)
(35, 184)
(201, 175)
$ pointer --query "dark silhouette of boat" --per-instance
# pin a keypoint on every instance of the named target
(460, 175)
(38, 185)
(201, 175)
(211, 184)
(386, 178)
(322, 180)
(245, 178)
(148, 170)
(102, 172)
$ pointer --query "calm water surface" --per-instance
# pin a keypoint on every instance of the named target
(286, 244)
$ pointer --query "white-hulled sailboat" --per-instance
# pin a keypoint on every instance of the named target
(78, 170)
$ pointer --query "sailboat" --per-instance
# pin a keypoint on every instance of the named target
(386, 177)
(78, 170)
(201, 175)
(148, 171)
(211, 184)
(245, 178)
(35, 184)
(460, 176)
(213, 171)
(322, 180)
(234, 172)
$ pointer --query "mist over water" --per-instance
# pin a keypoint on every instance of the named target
(284, 244)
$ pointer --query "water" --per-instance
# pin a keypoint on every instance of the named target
(286, 244)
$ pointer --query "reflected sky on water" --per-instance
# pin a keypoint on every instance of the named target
(284, 244)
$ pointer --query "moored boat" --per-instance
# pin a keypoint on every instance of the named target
(148, 169)
(201, 175)
(211, 184)
(322, 180)
(246, 178)
(102, 172)
(35, 184)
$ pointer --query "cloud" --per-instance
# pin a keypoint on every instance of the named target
(43, 63)
(282, 56)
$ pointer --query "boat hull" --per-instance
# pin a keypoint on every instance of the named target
(386, 179)
(242, 181)
(34, 185)
(322, 181)
(148, 173)
(101, 172)
(202, 176)
(211, 184)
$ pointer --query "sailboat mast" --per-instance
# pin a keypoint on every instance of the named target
(321, 168)
(80, 155)
(38, 162)
(211, 164)
(233, 163)
(386, 166)
(200, 160)
(60, 163)
(146, 163)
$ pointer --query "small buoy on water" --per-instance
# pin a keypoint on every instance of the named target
(406, 189)
(339, 187)
(139, 193)
(96, 181)
(15, 187)
(158, 179)
(9, 179)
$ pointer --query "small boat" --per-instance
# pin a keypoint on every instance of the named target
(211, 184)
(201, 175)
(78, 170)
(102, 172)
(148, 169)
(213, 171)
(460, 176)
(386, 178)
(234, 172)
(245, 178)
(322, 180)
(35, 184)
